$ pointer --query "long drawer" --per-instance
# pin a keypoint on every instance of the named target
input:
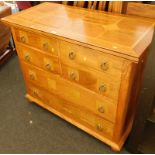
(93, 80)
(48, 45)
(74, 112)
(74, 93)
(38, 58)
(80, 57)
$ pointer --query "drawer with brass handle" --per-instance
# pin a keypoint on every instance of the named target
(27, 57)
(104, 66)
(49, 45)
(72, 92)
(45, 46)
(72, 76)
(32, 76)
(103, 88)
(78, 56)
(38, 41)
(96, 123)
(36, 92)
(99, 127)
(37, 58)
(101, 109)
(74, 112)
(23, 39)
(72, 55)
(93, 80)
(48, 66)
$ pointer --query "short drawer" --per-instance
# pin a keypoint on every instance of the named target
(48, 45)
(39, 59)
(100, 105)
(73, 112)
(94, 80)
(76, 55)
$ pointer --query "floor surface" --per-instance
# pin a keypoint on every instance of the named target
(28, 128)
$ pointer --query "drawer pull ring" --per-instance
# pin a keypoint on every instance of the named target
(101, 109)
(72, 55)
(45, 46)
(22, 39)
(72, 76)
(27, 58)
(35, 93)
(99, 127)
(104, 66)
(48, 66)
(32, 77)
(102, 88)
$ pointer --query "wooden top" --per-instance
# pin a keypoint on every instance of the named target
(123, 35)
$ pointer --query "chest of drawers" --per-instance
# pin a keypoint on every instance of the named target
(85, 66)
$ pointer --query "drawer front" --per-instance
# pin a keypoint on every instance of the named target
(92, 80)
(75, 113)
(39, 59)
(75, 55)
(99, 105)
(43, 43)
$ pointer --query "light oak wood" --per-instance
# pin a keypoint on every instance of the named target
(74, 55)
(124, 96)
(82, 65)
(75, 122)
(43, 43)
(71, 92)
(39, 59)
(109, 30)
(96, 81)
(73, 111)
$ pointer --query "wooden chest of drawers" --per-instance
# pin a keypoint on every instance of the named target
(85, 66)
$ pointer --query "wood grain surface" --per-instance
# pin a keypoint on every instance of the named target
(120, 34)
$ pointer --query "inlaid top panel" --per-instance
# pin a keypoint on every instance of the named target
(122, 34)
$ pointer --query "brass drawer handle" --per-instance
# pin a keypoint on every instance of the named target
(101, 109)
(32, 77)
(104, 66)
(34, 93)
(99, 127)
(22, 39)
(102, 88)
(48, 66)
(72, 76)
(27, 58)
(72, 55)
(45, 46)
